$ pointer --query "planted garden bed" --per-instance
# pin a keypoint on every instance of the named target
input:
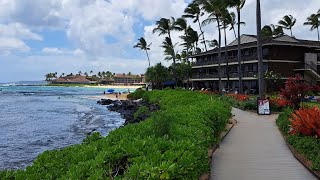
(172, 143)
(300, 130)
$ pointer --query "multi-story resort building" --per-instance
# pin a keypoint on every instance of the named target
(128, 79)
(282, 55)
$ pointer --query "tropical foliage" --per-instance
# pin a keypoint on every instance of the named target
(51, 76)
(157, 74)
(172, 144)
(314, 21)
(306, 121)
(272, 31)
(142, 45)
(287, 22)
(308, 146)
(295, 90)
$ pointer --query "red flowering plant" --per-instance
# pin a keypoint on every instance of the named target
(295, 90)
(279, 102)
(306, 122)
(239, 97)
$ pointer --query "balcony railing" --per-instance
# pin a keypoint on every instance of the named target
(224, 75)
(213, 61)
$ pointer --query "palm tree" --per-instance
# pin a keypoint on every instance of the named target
(271, 31)
(238, 4)
(169, 50)
(259, 51)
(165, 26)
(182, 24)
(233, 23)
(287, 22)
(142, 44)
(213, 43)
(215, 9)
(313, 21)
(226, 20)
(193, 12)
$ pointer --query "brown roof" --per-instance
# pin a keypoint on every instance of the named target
(71, 79)
(251, 41)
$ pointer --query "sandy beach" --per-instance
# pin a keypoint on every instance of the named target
(114, 86)
(110, 96)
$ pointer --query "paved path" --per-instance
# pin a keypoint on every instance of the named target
(255, 150)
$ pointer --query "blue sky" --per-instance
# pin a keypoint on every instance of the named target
(64, 36)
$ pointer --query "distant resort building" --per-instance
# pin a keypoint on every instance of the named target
(123, 79)
(77, 79)
(282, 55)
(117, 79)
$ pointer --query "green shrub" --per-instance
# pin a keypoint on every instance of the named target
(137, 94)
(162, 124)
(283, 120)
(171, 144)
(92, 138)
(309, 147)
(143, 110)
(250, 104)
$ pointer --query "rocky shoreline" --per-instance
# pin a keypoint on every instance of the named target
(127, 108)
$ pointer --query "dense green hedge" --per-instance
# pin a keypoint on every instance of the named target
(172, 144)
(250, 104)
(308, 146)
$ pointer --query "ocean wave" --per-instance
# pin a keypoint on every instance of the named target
(7, 85)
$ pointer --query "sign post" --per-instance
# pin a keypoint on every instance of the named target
(263, 107)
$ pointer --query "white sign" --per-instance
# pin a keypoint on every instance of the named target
(263, 107)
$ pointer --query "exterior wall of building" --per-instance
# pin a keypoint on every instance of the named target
(283, 59)
(285, 69)
(293, 53)
(127, 80)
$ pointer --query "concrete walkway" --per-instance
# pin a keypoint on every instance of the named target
(255, 150)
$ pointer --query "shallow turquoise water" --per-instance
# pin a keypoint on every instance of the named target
(38, 118)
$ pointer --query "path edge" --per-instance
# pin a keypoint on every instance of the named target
(231, 123)
(299, 156)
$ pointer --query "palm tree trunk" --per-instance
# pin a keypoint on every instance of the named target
(219, 56)
(234, 31)
(226, 56)
(239, 54)
(291, 32)
(174, 62)
(187, 60)
(259, 51)
(148, 57)
(318, 34)
(204, 41)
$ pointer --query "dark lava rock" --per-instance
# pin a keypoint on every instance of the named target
(105, 102)
(127, 109)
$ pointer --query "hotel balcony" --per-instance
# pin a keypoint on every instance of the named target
(233, 76)
(214, 61)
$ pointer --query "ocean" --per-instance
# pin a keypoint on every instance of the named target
(34, 119)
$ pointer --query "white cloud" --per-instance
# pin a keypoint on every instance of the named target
(12, 38)
(59, 51)
(101, 31)
(8, 45)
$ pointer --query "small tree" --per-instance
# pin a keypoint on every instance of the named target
(157, 74)
(295, 90)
